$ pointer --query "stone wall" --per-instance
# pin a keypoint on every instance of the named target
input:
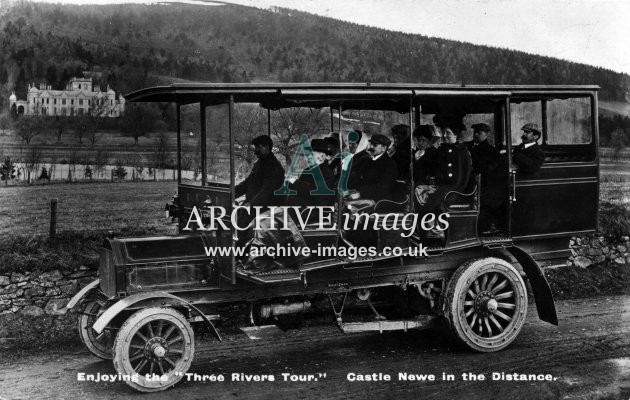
(36, 294)
(591, 250)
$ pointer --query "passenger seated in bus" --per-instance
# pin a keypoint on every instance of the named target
(356, 150)
(424, 154)
(484, 155)
(528, 156)
(485, 162)
(453, 169)
(400, 152)
(324, 151)
(373, 178)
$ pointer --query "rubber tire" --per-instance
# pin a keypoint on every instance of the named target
(100, 349)
(126, 334)
(456, 290)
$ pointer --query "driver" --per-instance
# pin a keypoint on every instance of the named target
(266, 176)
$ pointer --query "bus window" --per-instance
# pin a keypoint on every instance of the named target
(523, 113)
(191, 145)
(217, 144)
(248, 121)
(569, 121)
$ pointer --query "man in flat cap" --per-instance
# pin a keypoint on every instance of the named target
(374, 177)
(528, 156)
(266, 176)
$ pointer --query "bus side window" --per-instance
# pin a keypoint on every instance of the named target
(523, 113)
(569, 121)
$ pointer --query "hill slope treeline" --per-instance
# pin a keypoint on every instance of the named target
(132, 46)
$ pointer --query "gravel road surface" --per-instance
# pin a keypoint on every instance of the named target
(586, 357)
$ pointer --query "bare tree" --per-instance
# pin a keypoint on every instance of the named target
(74, 158)
(86, 161)
(32, 159)
(291, 124)
(97, 112)
(160, 155)
(27, 127)
(249, 121)
(101, 158)
(137, 162)
(59, 126)
(81, 127)
(138, 120)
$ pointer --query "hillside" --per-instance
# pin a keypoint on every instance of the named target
(132, 46)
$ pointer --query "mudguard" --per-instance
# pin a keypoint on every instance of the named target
(542, 292)
(165, 299)
(82, 293)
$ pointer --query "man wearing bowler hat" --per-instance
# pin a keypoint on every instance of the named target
(374, 177)
(528, 156)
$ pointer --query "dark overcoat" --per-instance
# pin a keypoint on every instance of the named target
(484, 156)
(453, 170)
(306, 183)
(266, 177)
(529, 160)
(402, 158)
(374, 179)
(424, 167)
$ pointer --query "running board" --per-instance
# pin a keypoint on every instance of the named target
(422, 322)
(273, 276)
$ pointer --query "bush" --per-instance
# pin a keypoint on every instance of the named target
(70, 251)
(614, 220)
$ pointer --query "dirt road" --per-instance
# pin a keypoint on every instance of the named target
(586, 357)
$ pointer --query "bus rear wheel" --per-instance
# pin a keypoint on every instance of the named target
(486, 304)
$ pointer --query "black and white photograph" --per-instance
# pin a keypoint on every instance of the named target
(315, 199)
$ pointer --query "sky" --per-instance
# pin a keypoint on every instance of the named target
(593, 32)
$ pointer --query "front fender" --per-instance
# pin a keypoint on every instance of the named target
(82, 293)
(167, 299)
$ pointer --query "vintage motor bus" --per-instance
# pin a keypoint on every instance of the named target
(151, 290)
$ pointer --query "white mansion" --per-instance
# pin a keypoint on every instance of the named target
(78, 98)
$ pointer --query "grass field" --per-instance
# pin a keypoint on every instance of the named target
(25, 210)
(99, 207)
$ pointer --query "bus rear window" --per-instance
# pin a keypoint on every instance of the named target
(569, 121)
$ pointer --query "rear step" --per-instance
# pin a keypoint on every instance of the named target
(421, 322)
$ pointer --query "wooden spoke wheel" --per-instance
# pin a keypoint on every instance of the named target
(486, 303)
(155, 341)
(99, 345)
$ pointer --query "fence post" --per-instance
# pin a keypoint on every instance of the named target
(53, 219)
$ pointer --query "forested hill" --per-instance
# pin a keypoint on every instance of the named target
(132, 46)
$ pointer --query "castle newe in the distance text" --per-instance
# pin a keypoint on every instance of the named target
(79, 98)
